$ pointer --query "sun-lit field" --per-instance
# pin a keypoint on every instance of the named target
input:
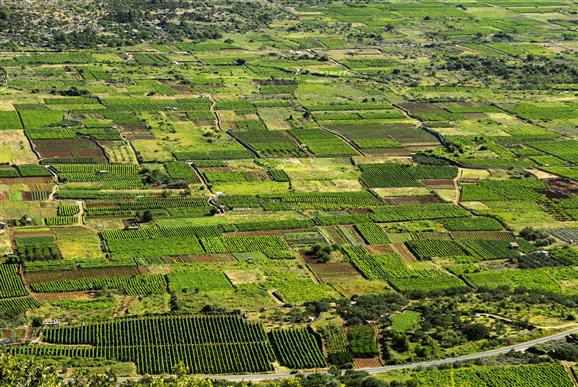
(258, 187)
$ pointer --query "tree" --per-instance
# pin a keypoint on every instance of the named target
(18, 372)
(175, 302)
(369, 307)
(4, 14)
(400, 342)
(317, 307)
(323, 252)
(153, 177)
(373, 382)
(147, 216)
(316, 380)
(475, 331)
(180, 369)
(566, 351)
(37, 321)
(341, 359)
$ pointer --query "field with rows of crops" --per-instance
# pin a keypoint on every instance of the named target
(244, 187)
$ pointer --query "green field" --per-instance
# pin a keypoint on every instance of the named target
(244, 187)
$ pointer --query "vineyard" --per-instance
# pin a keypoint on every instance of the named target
(205, 344)
(132, 285)
(372, 233)
(297, 348)
(395, 175)
(545, 279)
(288, 187)
(543, 375)
(37, 247)
(405, 277)
(17, 305)
(472, 224)
(407, 212)
(11, 284)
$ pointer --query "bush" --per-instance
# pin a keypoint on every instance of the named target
(362, 341)
(340, 359)
(565, 351)
(475, 331)
(37, 321)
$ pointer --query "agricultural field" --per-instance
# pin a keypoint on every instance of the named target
(244, 188)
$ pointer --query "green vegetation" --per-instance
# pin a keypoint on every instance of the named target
(244, 187)
(362, 340)
(545, 375)
(297, 348)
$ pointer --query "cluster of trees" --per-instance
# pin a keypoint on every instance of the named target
(323, 251)
(565, 351)
(118, 23)
(539, 237)
(442, 325)
(363, 309)
(526, 73)
(38, 373)
(72, 91)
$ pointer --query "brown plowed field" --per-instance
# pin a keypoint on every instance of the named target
(412, 200)
(370, 362)
(82, 273)
(404, 253)
(26, 180)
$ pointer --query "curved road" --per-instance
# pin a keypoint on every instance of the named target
(479, 355)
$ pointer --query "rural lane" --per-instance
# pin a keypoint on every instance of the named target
(375, 370)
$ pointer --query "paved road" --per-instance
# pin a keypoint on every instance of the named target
(479, 355)
(494, 352)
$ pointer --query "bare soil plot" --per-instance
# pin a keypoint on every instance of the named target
(367, 362)
(105, 272)
(65, 148)
(404, 252)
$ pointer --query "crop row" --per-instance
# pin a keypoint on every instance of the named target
(205, 344)
(482, 223)
(372, 233)
(241, 244)
(157, 359)
(481, 249)
(297, 348)
(17, 305)
(524, 375)
(161, 232)
(404, 277)
(397, 175)
(408, 212)
(274, 225)
(68, 210)
(146, 203)
(154, 247)
(131, 285)
(60, 220)
(11, 284)
(185, 329)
